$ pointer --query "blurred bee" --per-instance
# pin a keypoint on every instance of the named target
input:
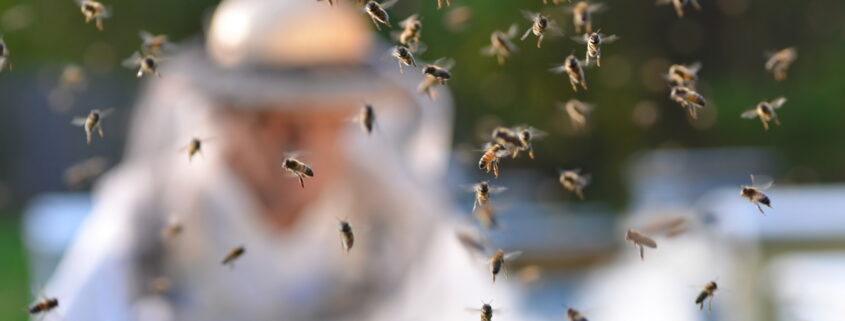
(683, 76)
(594, 41)
(490, 158)
(640, 240)
(497, 262)
(153, 44)
(233, 255)
(582, 15)
(688, 99)
(378, 14)
(573, 181)
(456, 20)
(440, 4)
(708, 292)
(43, 306)
(174, 228)
(501, 45)
(92, 122)
(766, 111)
(4, 55)
(404, 56)
(85, 171)
(779, 62)
(367, 118)
(679, 5)
(72, 77)
(94, 10)
(194, 147)
(146, 64)
(347, 239)
(426, 87)
(755, 194)
(526, 136)
(411, 32)
(670, 226)
(482, 192)
(298, 169)
(471, 242)
(486, 311)
(540, 24)
(439, 70)
(575, 315)
(572, 67)
(578, 112)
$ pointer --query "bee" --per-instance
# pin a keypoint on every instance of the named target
(594, 41)
(377, 12)
(426, 87)
(540, 24)
(679, 5)
(526, 136)
(482, 192)
(84, 171)
(367, 118)
(486, 216)
(683, 75)
(573, 181)
(44, 306)
(233, 255)
(436, 73)
(440, 4)
(501, 45)
(92, 122)
(508, 138)
(347, 239)
(572, 67)
(471, 242)
(688, 99)
(174, 228)
(153, 44)
(94, 10)
(578, 112)
(575, 315)
(640, 240)
(582, 15)
(491, 156)
(766, 111)
(669, 226)
(779, 62)
(4, 55)
(404, 56)
(146, 64)
(755, 194)
(708, 292)
(486, 311)
(194, 147)
(298, 169)
(411, 32)
(497, 262)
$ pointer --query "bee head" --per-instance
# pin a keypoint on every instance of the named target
(89, 7)
(542, 21)
(402, 51)
(149, 61)
(289, 163)
(679, 91)
(53, 302)
(416, 25)
(765, 107)
(572, 61)
(486, 308)
(372, 5)
(429, 70)
(525, 135)
(747, 191)
(571, 313)
(344, 227)
(484, 187)
(595, 38)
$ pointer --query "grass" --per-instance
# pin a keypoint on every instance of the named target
(14, 294)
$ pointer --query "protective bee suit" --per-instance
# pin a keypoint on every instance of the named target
(406, 263)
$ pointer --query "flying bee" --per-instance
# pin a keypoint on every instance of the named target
(367, 118)
(411, 32)
(766, 111)
(473, 244)
(85, 171)
(491, 156)
(688, 99)
(540, 24)
(640, 240)
(440, 4)
(486, 311)
(779, 62)
(574, 182)
(572, 67)
(706, 293)
(683, 75)
(95, 11)
(233, 255)
(378, 13)
(146, 64)
(482, 192)
(92, 122)
(755, 194)
(526, 136)
(298, 169)
(43, 306)
(679, 5)
(486, 216)
(497, 262)
(194, 147)
(153, 44)
(439, 70)
(508, 138)
(575, 315)
(347, 239)
(582, 15)
(578, 112)
(404, 56)
(594, 41)
(4, 55)
(501, 45)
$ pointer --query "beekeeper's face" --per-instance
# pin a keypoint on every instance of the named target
(257, 143)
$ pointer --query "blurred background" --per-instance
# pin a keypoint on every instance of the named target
(648, 160)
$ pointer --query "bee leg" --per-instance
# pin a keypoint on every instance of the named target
(580, 194)
(642, 253)
(760, 208)
(765, 124)
(496, 170)
(140, 73)
(376, 23)
(710, 305)
(701, 306)
(401, 69)
(100, 24)
(589, 27)
(531, 153)
(777, 121)
(448, 3)
(584, 84)
(501, 59)
(301, 181)
(696, 4)
(88, 136)
(100, 131)
(598, 60)
(679, 11)
(539, 40)
(574, 87)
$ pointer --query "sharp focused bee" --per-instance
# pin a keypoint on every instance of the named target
(706, 293)
(378, 13)
(95, 11)
(540, 24)
(526, 136)
(640, 241)
(779, 62)
(347, 239)
(578, 112)
(92, 122)
(146, 64)
(573, 181)
(766, 112)
(233, 255)
(486, 311)
(153, 44)
(194, 147)
(490, 158)
(497, 262)
(575, 315)
(572, 67)
(501, 45)
(298, 169)
(482, 192)
(404, 56)
(367, 118)
(411, 32)
(688, 99)
(683, 75)
(594, 41)
(679, 5)
(582, 15)
(4, 55)
(755, 194)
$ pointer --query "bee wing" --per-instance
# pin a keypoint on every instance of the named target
(777, 103)
(445, 63)
(104, 113)
(586, 179)
(487, 50)
(536, 133)
(472, 310)
(389, 3)
(554, 29)
(295, 154)
(107, 12)
(418, 48)
(597, 7)
(513, 30)
(469, 187)
(529, 15)
(581, 39)
(497, 189)
(145, 35)
(78, 121)
(749, 114)
(646, 241)
(609, 39)
(559, 69)
(133, 61)
(512, 255)
(404, 23)
(694, 67)
(762, 182)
